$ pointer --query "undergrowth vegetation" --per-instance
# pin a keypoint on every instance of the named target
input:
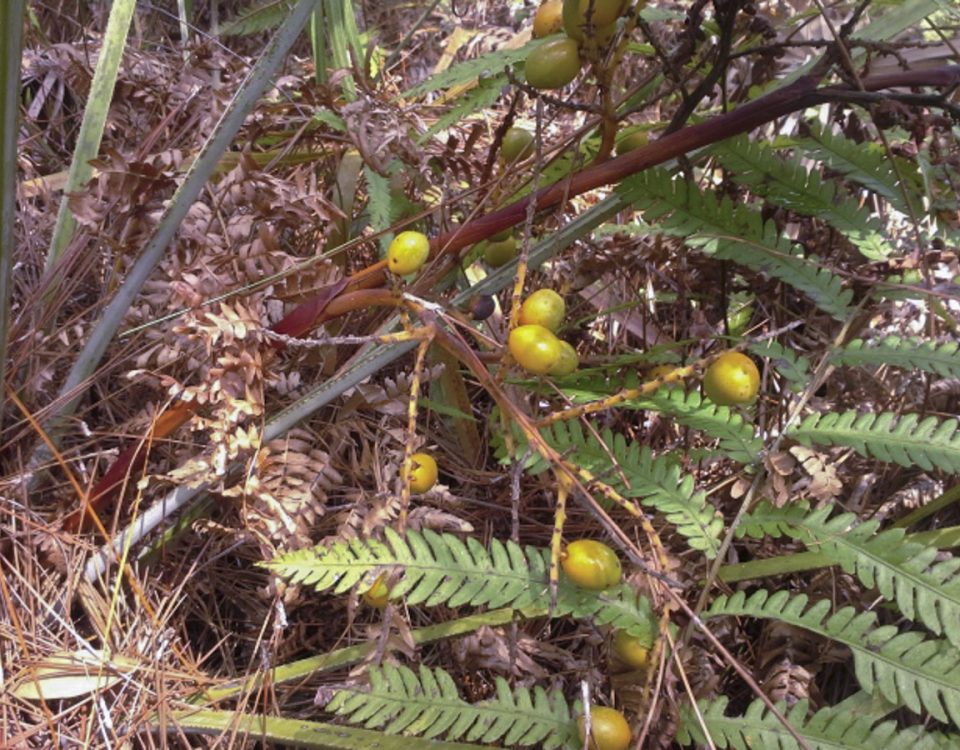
(260, 487)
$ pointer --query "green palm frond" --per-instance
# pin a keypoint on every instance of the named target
(784, 180)
(904, 439)
(734, 232)
(903, 571)
(940, 358)
(435, 569)
(906, 668)
(827, 729)
(427, 704)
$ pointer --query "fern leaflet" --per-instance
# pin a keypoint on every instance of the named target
(902, 571)
(486, 92)
(939, 358)
(656, 481)
(736, 435)
(784, 181)
(257, 18)
(441, 569)
(733, 232)
(490, 63)
(906, 668)
(865, 163)
(427, 704)
(906, 440)
(794, 368)
(827, 729)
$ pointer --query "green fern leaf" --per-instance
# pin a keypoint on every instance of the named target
(794, 368)
(733, 232)
(903, 571)
(906, 668)
(488, 64)
(478, 99)
(939, 358)
(379, 202)
(864, 163)
(688, 408)
(906, 440)
(440, 569)
(656, 481)
(827, 729)
(785, 181)
(257, 18)
(427, 704)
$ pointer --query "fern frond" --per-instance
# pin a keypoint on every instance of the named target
(864, 163)
(906, 668)
(492, 62)
(794, 368)
(785, 181)
(440, 569)
(379, 201)
(827, 729)
(733, 232)
(902, 571)
(908, 354)
(256, 18)
(427, 704)
(477, 100)
(905, 439)
(635, 472)
(688, 408)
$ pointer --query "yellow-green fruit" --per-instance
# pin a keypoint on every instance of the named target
(535, 348)
(569, 361)
(603, 13)
(548, 19)
(543, 308)
(378, 594)
(517, 144)
(553, 64)
(630, 650)
(407, 253)
(733, 378)
(609, 729)
(497, 254)
(591, 564)
(632, 140)
(423, 472)
(501, 236)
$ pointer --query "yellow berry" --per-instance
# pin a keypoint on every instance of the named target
(553, 64)
(423, 473)
(407, 253)
(733, 378)
(630, 650)
(609, 729)
(591, 564)
(517, 145)
(568, 362)
(543, 308)
(378, 594)
(548, 19)
(535, 348)
(497, 254)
